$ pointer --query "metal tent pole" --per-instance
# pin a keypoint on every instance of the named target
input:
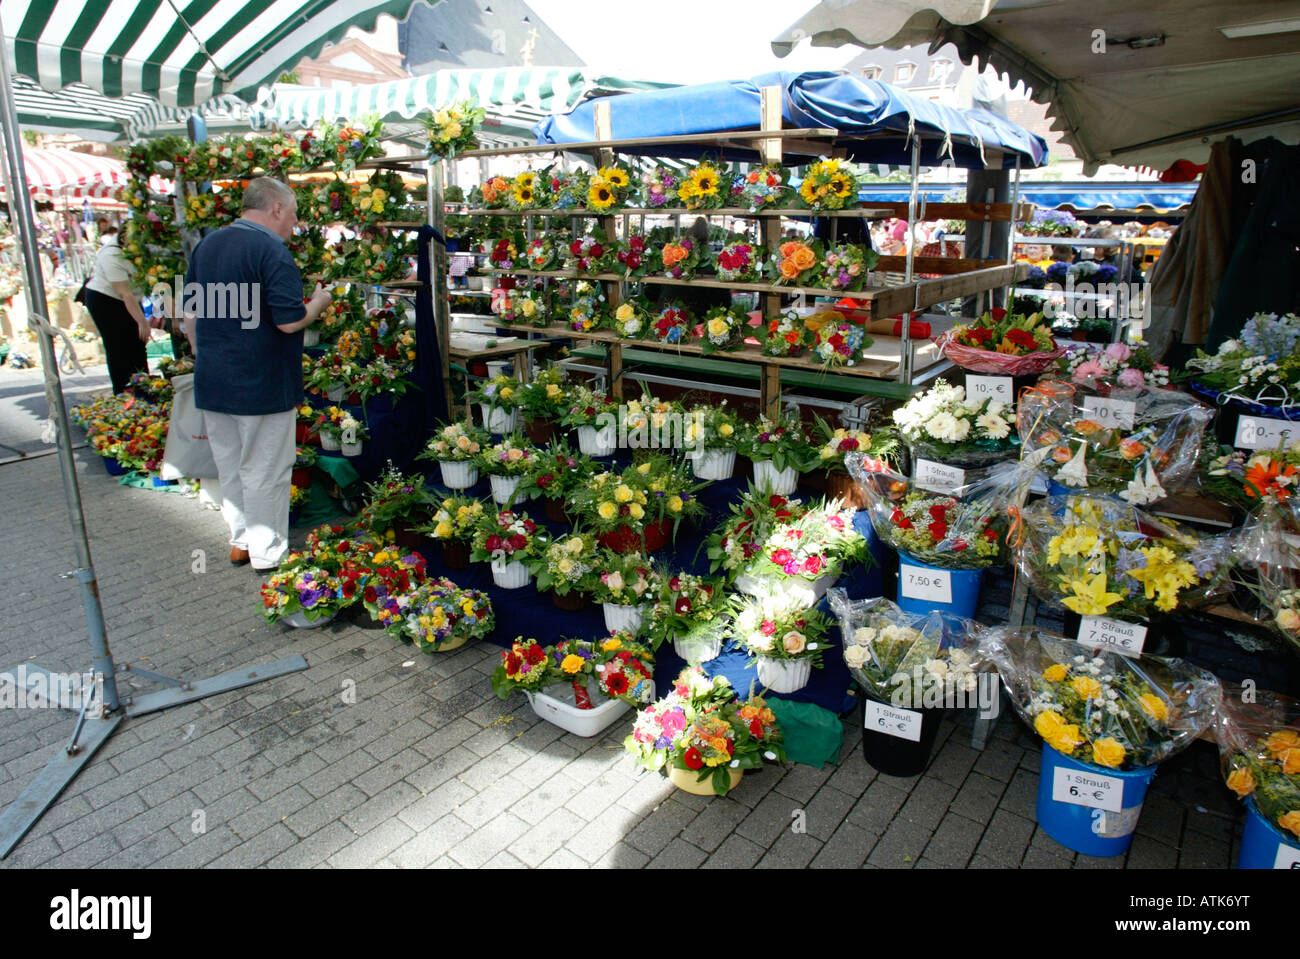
(905, 346)
(100, 712)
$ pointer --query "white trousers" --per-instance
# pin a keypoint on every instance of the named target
(255, 456)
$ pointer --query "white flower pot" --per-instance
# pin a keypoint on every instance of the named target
(714, 464)
(771, 480)
(299, 620)
(594, 442)
(623, 618)
(310, 337)
(510, 575)
(335, 393)
(558, 706)
(328, 441)
(809, 594)
(461, 475)
(784, 675)
(503, 488)
(498, 420)
(698, 650)
(351, 449)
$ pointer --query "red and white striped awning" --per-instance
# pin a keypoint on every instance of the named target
(53, 174)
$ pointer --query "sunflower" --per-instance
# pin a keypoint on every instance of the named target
(526, 179)
(704, 179)
(600, 195)
(841, 185)
(616, 177)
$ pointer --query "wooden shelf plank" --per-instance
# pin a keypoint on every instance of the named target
(737, 211)
(867, 294)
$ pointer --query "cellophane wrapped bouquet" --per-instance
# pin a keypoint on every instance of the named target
(1259, 747)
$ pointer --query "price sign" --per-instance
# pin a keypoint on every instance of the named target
(981, 388)
(938, 478)
(930, 585)
(1112, 414)
(1287, 858)
(1094, 790)
(893, 721)
(1126, 638)
(1257, 433)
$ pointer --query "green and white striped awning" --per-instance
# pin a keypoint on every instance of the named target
(511, 92)
(181, 52)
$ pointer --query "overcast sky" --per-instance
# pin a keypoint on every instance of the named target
(691, 42)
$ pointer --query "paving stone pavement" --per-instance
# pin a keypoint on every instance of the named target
(427, 767)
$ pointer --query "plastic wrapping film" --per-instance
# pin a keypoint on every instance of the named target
(1264, 568)
(1102, 707)
(974, 526)
(1259, 749)
(1135, 443)
(1100, 556)
(895, 654)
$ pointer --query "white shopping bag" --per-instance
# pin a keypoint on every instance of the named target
(188, 453)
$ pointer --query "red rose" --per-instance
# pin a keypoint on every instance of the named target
(575, 247)
(938, 530)
(596, 251)
(683, 606)
(693, 759)
(847, 445)
(812, 564)
(493, 543)
(939, 513)
(675, 583)
(998, 314)
(749, 549)
(782, 556)
(990, 534)
(518, 541)
(959, 545)
(756, 728)
(905, 523)
(774, 500)
(530, 526)
(545, 481)
(1022, 338)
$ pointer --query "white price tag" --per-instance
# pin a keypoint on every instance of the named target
(1095, 790)
(981, 388)
(1112, 414)
(1287, 858)
(931, 585)
(1258, 433)
(893, 721)
(1126, 638)
(938, 478)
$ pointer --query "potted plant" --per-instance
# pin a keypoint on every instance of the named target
(801, 557)
(508, 541)
(498, 398)
(440, 616)
(506, 464)
(712, 435)
(691, 611)
(838, 442)
(452, 525)
(569, 570)
(639, 508)
(741, 536)
(593, 416)
(311, 587)
(625, 584)
(390, 585)
(352, 433)
(784, 636)
(780, 450)
(704, 736)
(396, 504)
(724, 328)
(454, 447)
(298, 497)
(1002, 343)
(543, 401)
(303, 461)
(557, 475)
(325, 427)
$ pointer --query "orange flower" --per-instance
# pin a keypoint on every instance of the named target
(673, 254)
(1261, 479)
(1087, 427)
(1290, 821)
(804, 258)
(1131, 449)
(1061, 454)
(1282, 741)
(787, 248)
(788, 270)
(1241, 782)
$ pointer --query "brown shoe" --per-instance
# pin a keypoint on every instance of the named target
(238, 556)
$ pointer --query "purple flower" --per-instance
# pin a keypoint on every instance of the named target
(663, 742)
(310, 597)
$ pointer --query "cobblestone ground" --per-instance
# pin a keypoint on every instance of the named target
(428, 767)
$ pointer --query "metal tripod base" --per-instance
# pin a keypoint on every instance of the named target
(93, 730)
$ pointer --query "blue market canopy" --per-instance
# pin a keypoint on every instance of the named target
(1144, 198)
(876, 120)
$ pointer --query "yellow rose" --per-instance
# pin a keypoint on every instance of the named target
(607, 510)
(1047, 723)
(624, 312)
(643, 469)
(443, 530)
(1086, 687)
(636, 511)
(566, 566)
(528, 308)
(1241, 782)
(675, 504)
(611, 644)
(1154, 707)
(725, 429)
(717, 326)
(553, 392)
(1065, 739)
(1290, 821)
(622, 494)
(1055, 673)
(573, 546)
(1108, 752)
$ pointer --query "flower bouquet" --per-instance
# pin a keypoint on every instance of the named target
(506, 464)
(1261, 367)
(797, 263)
(845, 267)
(1116, 364)
(1248, 480)
(740, 263)
(510, 542)
(1134, 443)
(303, 595)
(783, 635)
(452, 525)
(609, 189)
(504, 254)
(494, 193)
(659, 186)
(440, 616)
(785, 335)
(780, 450)
(593, 415)
(388, 588)
(705, 187)
(837, 443)
(680, 259)
(692, 612)
(396, 502)
(623, 584)
(725, 327)
(586, 313)
(1002, 343)
(382, 197)
(559, 473)
(640, 508)
(830, 185)
(525, 667)
(634, 257)
(941, 424)
(632, 319)
(541, 254)
(837, 342)
(1098, 556)
(704, 736)
(1106, 721)
(591, 254)
(498, 399)
(528, 191)
(673, 325)
(711, 437)
(569, 569)
(454, 447)
(801, 557)
(624, 668)
(454, 129)
(764, 187)
(523, 306)
(741, 535)
(542, 401)
(1259, 747)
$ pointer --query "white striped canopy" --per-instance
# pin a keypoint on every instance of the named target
(182, 54)
(516, 92)
(67, 174)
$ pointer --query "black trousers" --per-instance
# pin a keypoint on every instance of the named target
(122, 343)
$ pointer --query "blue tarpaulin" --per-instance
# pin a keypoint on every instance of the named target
(1158, 197)
(852, 105)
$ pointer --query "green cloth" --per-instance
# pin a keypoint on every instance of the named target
(339, 470)
(813, 734)
(137, 480)
(319, 508)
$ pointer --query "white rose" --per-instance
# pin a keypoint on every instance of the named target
(864, 635)
(855, 656)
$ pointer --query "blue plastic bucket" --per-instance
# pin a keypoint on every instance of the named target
(931, 583)
(1087, 829)
(1264, 846)
(114, 467)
